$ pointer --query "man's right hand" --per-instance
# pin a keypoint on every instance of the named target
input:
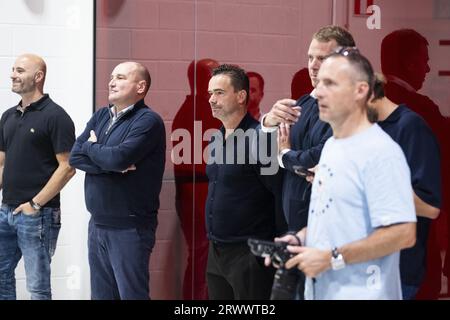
(289, 238)
(283, 111)
(310, 178)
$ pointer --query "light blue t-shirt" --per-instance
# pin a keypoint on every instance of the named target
(363, 182)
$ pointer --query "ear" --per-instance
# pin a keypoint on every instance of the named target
(141, 85)
(362, 89)
(39, 76)
(242, 96)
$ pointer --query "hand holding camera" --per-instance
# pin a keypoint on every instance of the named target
(285, 281)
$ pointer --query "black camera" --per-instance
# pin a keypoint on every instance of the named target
(285, 281)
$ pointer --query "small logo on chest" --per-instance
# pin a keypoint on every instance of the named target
(32, 130)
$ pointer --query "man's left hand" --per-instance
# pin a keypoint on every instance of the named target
(93, 137)
(25, 208)
(283, 137)
(311, 261)
(130, 168)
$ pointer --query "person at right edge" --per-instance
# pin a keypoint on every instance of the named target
(421, 150)
(405, 65)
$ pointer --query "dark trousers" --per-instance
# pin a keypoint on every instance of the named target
(234, 273)
(409, 292)
(119, 262)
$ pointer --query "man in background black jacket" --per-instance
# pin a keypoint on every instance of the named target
(243, 199)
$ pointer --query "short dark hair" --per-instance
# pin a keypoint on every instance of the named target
(378, 94)
(361, 64)
(378, 87)
(238, 77)
(337, 33)
(398, 46)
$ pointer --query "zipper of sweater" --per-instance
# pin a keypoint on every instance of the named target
(110, 125)
(109, 129)
(113, 125)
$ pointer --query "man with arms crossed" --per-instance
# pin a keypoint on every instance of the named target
(122, 151)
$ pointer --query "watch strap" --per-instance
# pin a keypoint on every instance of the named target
(335, 252)
(35, 205)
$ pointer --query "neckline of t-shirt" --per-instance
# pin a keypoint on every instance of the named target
(356, 136)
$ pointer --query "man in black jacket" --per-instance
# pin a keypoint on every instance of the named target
(306, 133)
(243, 194)
(122, 151)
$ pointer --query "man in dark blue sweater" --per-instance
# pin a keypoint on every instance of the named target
(421, 149)
(122, 151)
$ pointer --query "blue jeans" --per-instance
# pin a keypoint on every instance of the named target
(33, 237)
(119, 262)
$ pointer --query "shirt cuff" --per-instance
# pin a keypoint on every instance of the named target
(280, 157)
(267, 129)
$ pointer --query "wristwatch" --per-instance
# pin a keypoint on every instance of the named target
(337, 260)
(35, 205)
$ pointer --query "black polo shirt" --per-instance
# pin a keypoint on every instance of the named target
(421, 150)
(31, 141)
(242, 203)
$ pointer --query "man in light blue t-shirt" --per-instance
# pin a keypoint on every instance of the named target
(362, 211)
